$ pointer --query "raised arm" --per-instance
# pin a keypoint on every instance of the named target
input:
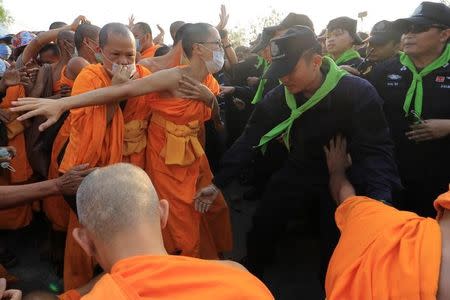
(53, 109)
(32, 49)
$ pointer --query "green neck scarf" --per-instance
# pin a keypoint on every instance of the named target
(346, 56)
(262, 83)
(331, 80)
(416, 89)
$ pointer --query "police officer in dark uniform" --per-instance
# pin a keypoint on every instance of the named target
(383, 43)
(415, 87)
(341, 36)
(317, 101)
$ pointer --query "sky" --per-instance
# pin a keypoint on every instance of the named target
(37, 15)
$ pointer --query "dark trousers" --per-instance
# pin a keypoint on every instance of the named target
(289, 195)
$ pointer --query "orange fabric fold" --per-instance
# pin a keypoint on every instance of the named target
(150, 52)
(383, 253)
(21, 216)
(92, 141)
(176, 277)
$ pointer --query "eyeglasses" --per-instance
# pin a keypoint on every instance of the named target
(218, 43)
(417, 28)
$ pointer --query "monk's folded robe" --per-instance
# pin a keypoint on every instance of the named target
(176, 277)
(384, 253)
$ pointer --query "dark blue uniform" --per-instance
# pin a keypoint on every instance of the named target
(353, 109)
(424, 166)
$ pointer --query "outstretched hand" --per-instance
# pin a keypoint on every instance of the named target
(205, 198)
(190, 88)
(338, 160)
(49, 108)
(69, 182)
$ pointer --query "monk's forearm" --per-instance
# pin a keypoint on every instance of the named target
(340, 187)
(16, 195)
(160, 81)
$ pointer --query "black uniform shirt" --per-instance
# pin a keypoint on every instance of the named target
(353, 108)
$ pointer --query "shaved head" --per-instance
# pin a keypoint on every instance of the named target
(115, 199)
(113, 29)
(174, 28)
(86, 31)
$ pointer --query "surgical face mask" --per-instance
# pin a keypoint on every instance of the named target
(138, 45)
(216, 63)
(116, 67)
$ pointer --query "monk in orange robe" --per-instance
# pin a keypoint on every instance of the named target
(103, 135)
(144, 40)
(143, 269)
(174, 148)
(21, 216)
(384, 253)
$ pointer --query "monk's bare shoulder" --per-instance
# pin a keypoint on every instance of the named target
(74, 67)
(231, 263)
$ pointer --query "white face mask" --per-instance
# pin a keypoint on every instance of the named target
(116, 68)
(216, 64)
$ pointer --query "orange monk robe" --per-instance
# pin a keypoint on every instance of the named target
(149, 52)
(93, 141)
(176, 278)
(174, 162)
(136, 117)
(20, 216)
(55, 207)
(384, 253)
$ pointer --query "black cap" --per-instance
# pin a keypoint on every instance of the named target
(427, 13)
(288, 48)
(266, 36)
(348, 24)
(293, 19)
(384, 32)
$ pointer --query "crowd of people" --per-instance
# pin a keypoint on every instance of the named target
(126, 144)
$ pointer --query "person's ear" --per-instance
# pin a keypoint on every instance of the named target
(317, 61)
(81, 236)
(163, 212)
(445, 35)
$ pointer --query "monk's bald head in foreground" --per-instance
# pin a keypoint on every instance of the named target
(120, 214)
(115, 199)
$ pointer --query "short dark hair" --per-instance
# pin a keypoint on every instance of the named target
(308, 54)
(85, 31)
(116, 28)
(174, 27)
(50, 47)
(163, 50)
(144, 27)
(195, 33)
(56, 25)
